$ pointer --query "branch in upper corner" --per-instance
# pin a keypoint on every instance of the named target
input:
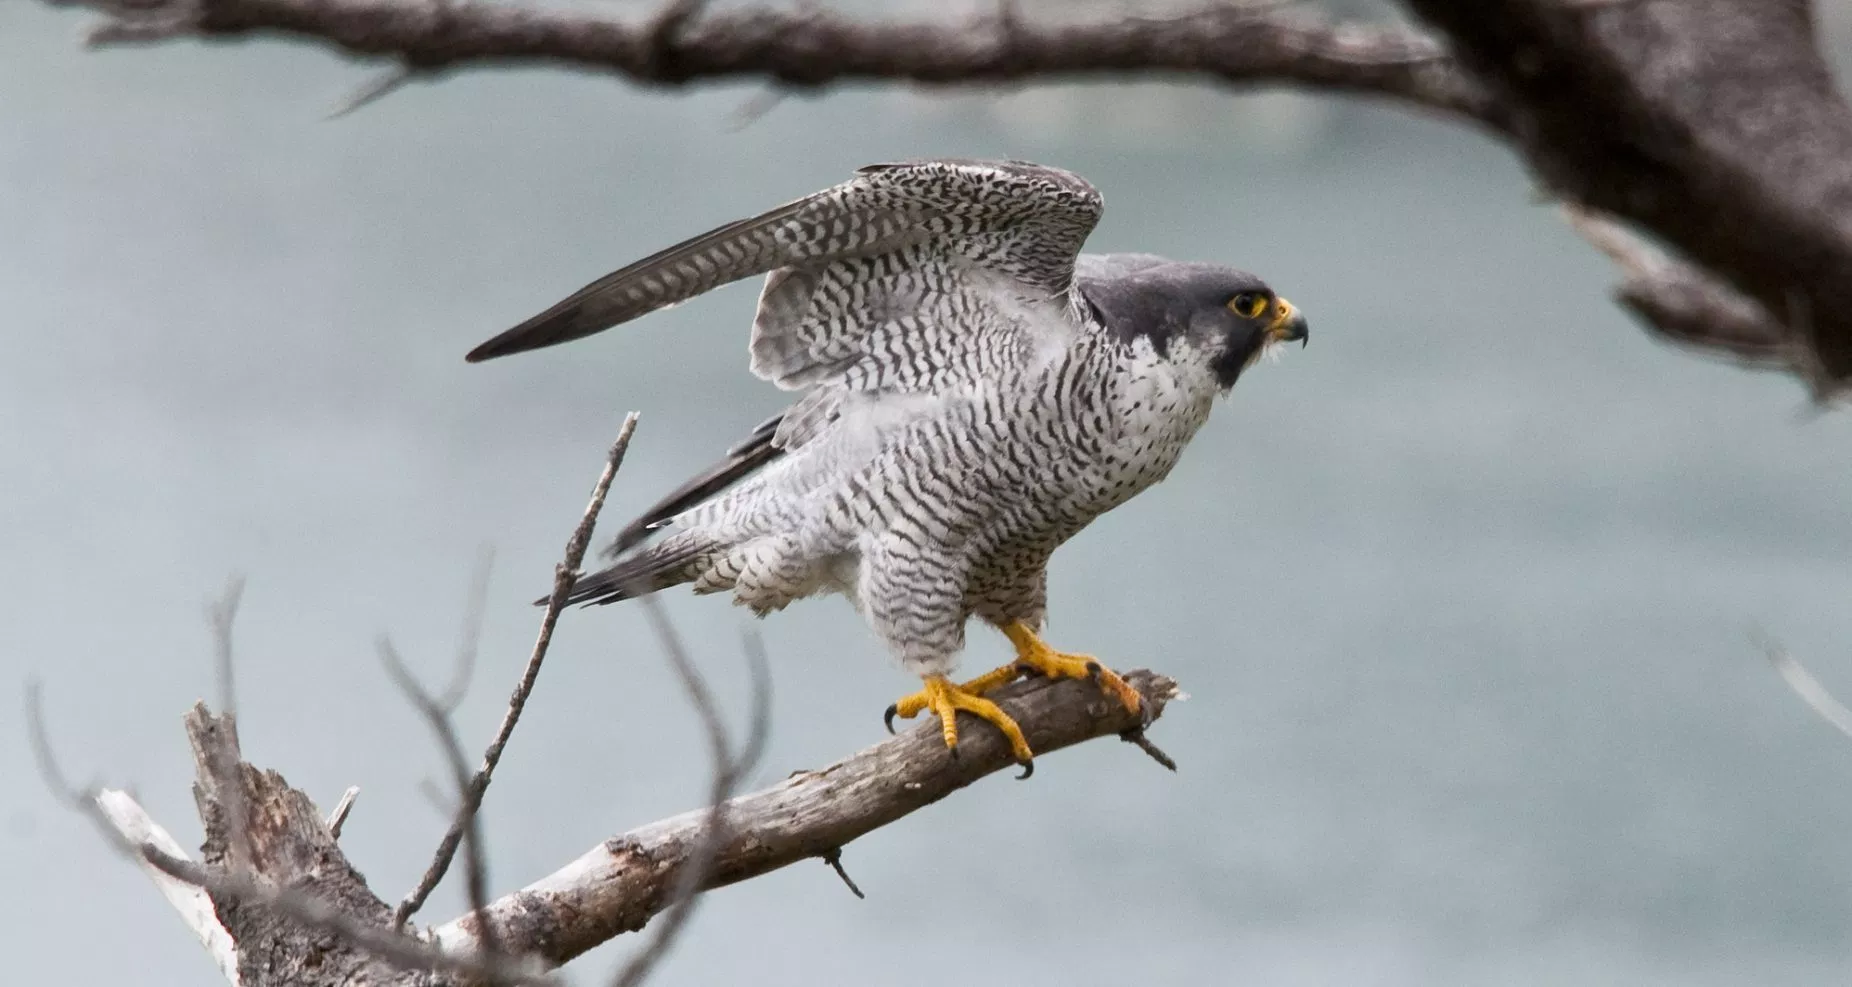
(621, 884)
(809, 46)
(1686, 305)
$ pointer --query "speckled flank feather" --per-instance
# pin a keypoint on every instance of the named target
(968, 407)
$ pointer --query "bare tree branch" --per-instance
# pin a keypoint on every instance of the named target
(810, 46)
(470, 797)
(1715, 124)
(622, 883)
(1691, 307)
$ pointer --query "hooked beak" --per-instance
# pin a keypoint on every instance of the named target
(1288, 324)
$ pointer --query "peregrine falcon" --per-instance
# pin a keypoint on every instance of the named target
(974, 392)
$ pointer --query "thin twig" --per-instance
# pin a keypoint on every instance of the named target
(469, 640)
(221, 615)
(1811, 691)
(437, 715)
(563, 576)
(1136, 737)
(729, 768)
(338, 817)
(833, 857)
(381, 86)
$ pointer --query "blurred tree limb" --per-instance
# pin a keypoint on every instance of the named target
(1711, 125)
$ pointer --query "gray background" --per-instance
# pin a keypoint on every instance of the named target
(1461, 592)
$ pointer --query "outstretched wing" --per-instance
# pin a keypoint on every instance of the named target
(874, 281)
(909, 277)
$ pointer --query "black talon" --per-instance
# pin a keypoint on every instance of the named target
(1028, 670)
(893, 709)
(1095, 671)
(1028, 768)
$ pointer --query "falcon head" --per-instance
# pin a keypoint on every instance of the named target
(1222, 316)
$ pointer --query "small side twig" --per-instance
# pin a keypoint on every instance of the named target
(436, 714)
(1136, 737)
(338, 817)
(564, 575)
(729, 768)
(438, 711)
(833, 857)
(1810, 689)
(384, 84)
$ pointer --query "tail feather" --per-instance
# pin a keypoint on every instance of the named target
(745, 458)
(658, 567)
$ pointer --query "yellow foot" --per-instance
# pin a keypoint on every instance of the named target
(946, 698)
(1033, 655)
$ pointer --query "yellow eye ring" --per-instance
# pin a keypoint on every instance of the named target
(1248, 304)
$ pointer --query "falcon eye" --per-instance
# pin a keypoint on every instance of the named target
(1248, 304)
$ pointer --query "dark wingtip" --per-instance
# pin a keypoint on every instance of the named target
(560, 324)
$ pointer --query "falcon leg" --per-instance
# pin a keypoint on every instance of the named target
(1034, 655)
(946, 698)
